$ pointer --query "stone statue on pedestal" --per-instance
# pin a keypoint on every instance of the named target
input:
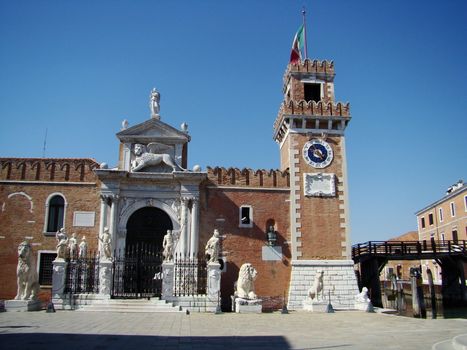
(83, 248)
(106, 244)
(154, 103)
(62, 244)
(168, 245)
(73, 246)
(28, 285)
(316, 291)
(245, 283)
(212, 248)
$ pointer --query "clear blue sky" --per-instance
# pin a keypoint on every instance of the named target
(78, 68)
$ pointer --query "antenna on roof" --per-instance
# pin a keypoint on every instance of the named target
(45, 144)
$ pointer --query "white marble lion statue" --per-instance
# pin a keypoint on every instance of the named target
(28, 285)
(152, 155)
(245, 283)
(316, 290)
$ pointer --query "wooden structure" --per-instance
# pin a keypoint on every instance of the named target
(450, 255)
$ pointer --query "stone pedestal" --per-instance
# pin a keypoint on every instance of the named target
(23, 305)
(248, 306)
(314, 306)
(58, 278)
(364, 306)
(167, 280)
(214, 281)
(105, 278)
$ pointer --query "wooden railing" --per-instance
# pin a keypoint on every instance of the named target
(407, 250)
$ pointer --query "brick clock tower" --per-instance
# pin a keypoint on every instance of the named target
(310, 130)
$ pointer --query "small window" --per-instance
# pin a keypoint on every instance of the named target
(430, 218)
(245, 216)
(443, 237)
(423, 222)
(465, 203)
(46, 267)
(440, 212)
(453, 209)
(55, 213)
(312, 92)
(455, 237)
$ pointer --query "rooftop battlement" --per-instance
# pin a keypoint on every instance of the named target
(246, 177)
(313, 67)
(312, 109)
(48, 169)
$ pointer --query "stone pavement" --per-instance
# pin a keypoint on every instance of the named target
(68, 330)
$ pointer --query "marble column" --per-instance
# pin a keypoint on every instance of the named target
(113, 220)
(103, 218)
(184, 227)
(194, 227)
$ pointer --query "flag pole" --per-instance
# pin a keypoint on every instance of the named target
(304, 29)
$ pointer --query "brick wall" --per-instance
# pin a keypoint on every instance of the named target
(25, 186)
(219, 208)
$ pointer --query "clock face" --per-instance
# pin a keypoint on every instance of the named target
(318, 153)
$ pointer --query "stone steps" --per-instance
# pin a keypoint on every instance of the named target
(128, 305)
(456, 343)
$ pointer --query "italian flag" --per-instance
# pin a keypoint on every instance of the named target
(298, 41)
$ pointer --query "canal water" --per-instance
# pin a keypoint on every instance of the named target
(402, 303)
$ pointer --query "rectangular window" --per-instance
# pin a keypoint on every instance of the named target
(440, 212)
(423, 222)
(46, 267)
(430, 218)
(453, 209)
(455, 238)
(443, 237)
(312, 92)
(465, 203)
(245, 216)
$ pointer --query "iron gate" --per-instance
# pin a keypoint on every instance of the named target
(137, 272)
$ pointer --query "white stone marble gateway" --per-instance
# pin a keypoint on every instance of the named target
(338, 278)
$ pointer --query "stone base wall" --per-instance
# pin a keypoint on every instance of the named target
(339, 278)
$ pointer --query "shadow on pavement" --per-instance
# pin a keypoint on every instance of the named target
(43, 341)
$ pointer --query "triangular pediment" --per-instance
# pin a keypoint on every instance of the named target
(153, 130)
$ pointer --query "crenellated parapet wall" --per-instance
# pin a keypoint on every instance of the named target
(315, 67)
(312, 109)
(48, 169)
(246, 177)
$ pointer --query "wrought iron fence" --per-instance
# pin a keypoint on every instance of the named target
(190, 275)
(137, 271)
(82, 275)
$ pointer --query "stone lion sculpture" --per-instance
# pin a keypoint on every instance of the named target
(245, 283)
(152, 155)
(28, 285)
(362, 297)
(317, 290)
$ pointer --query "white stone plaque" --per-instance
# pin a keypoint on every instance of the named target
(271, 253)
(319, 184)
(84, 218)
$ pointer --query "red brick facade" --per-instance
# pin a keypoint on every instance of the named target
(26, 185)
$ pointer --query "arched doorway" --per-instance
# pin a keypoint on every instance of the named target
(148, 226)
(137, 271)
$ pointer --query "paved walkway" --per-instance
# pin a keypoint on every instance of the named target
(68, 330)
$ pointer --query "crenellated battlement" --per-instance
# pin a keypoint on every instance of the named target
(315, 67)
(48, 169)
(246, 177)
(312, 109)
